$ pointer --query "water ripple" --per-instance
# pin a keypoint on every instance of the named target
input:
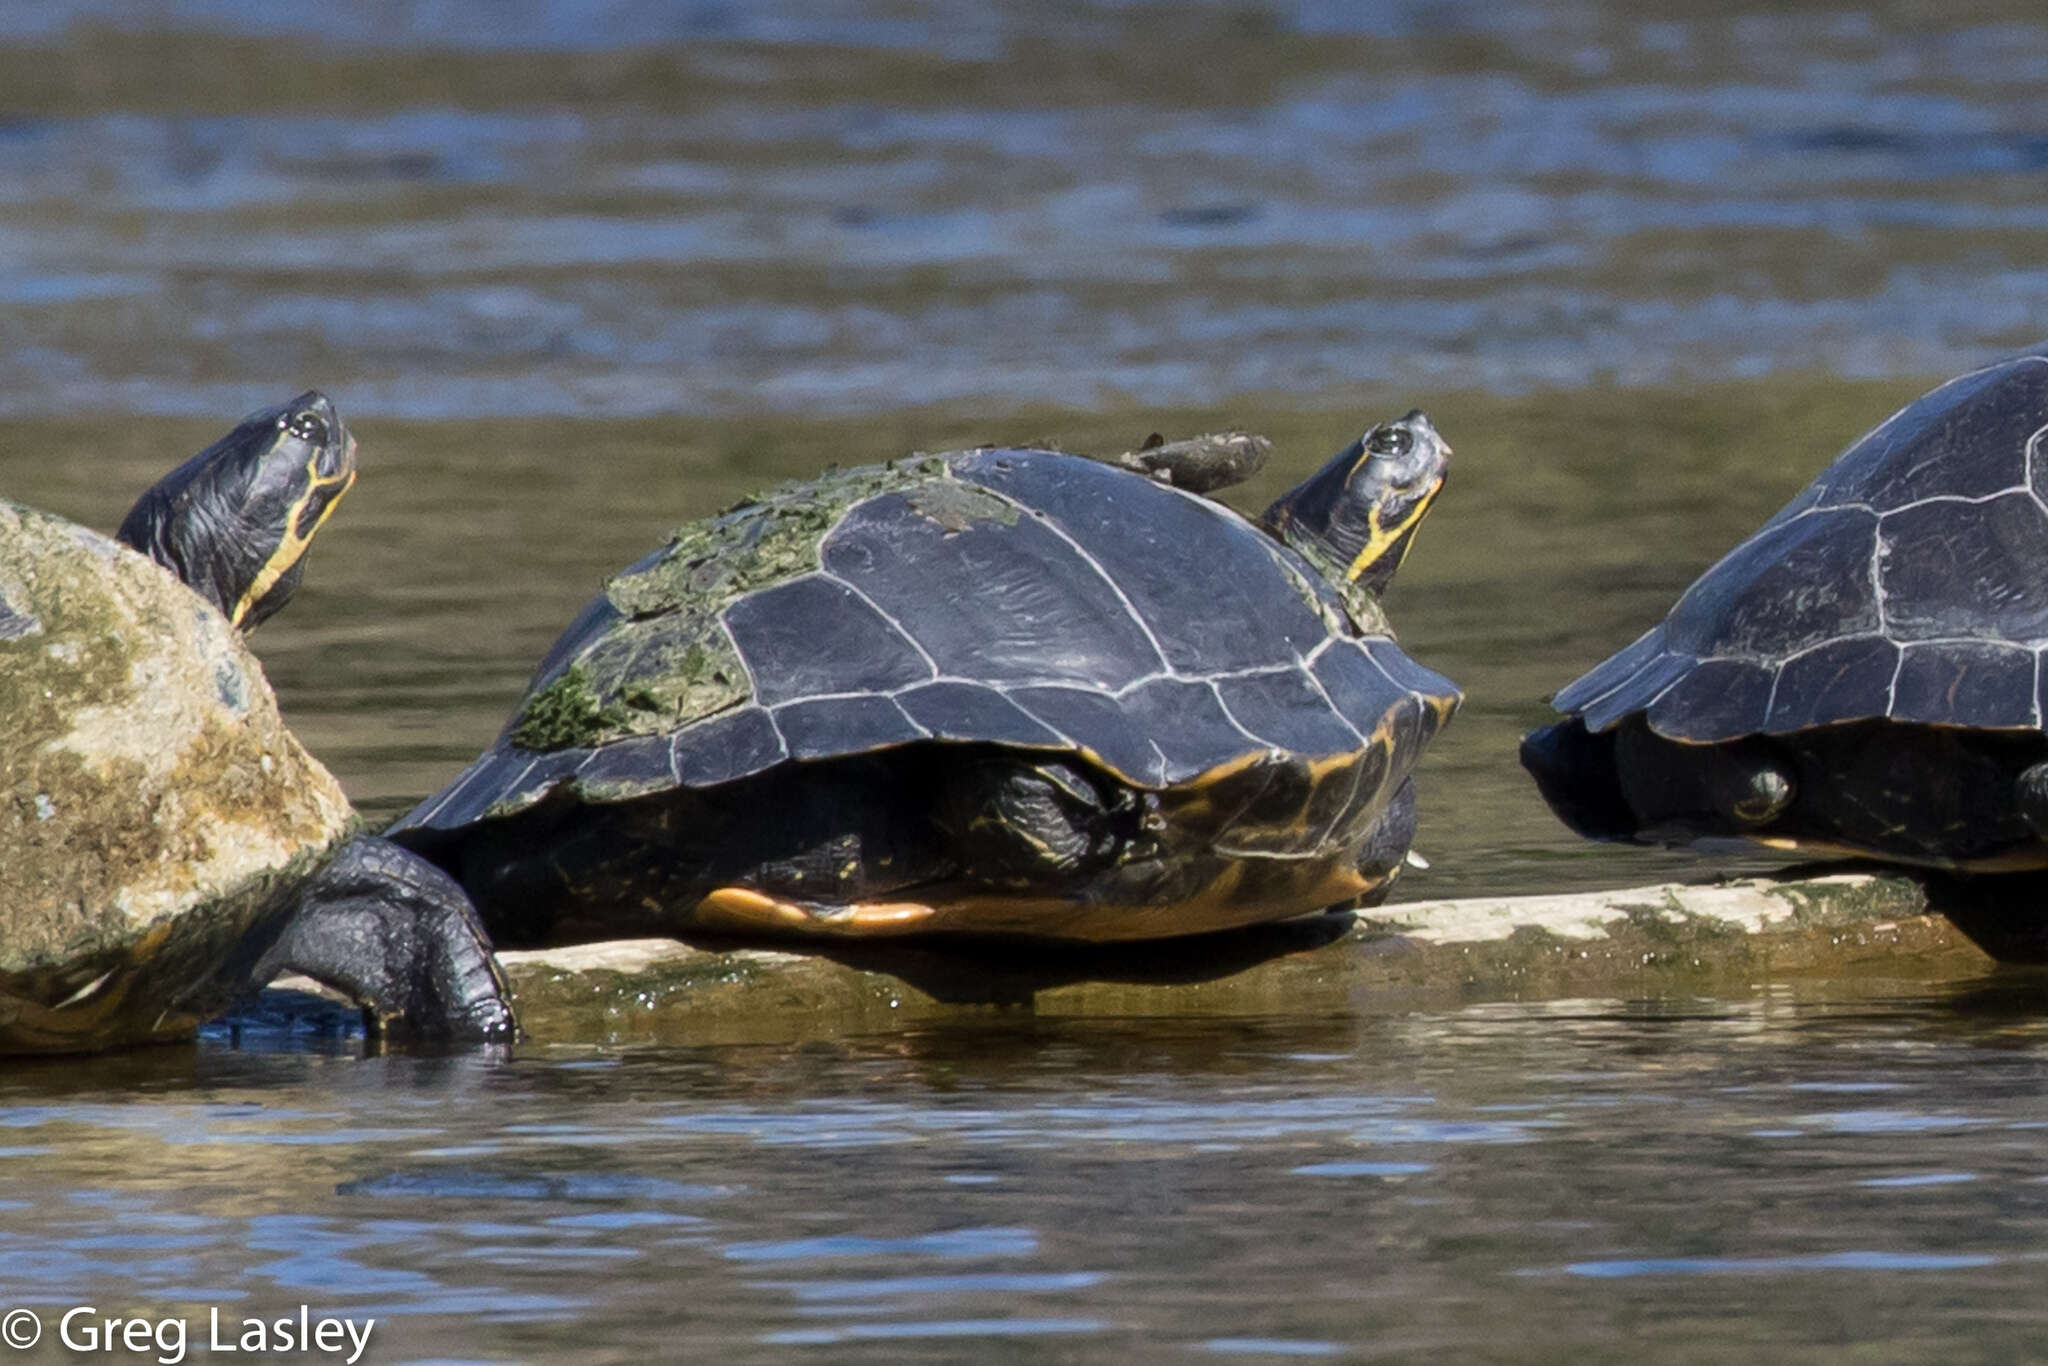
(1750, 1266)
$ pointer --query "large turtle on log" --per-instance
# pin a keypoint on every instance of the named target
(992, 691)
(166, 845)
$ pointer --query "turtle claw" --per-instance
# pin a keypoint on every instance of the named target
(393, 932)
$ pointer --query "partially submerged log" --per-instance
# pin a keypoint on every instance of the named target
(1723, 937)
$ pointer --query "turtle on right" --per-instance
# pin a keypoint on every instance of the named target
(1863, 676)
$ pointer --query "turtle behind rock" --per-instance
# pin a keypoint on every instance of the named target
(166, 845)
(988, 691)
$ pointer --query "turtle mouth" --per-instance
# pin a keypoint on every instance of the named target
(330, 474)
(336, 459)
(315, 509)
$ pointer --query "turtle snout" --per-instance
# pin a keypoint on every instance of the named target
(1419, 421)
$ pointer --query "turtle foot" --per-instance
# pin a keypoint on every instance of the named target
(394, 932)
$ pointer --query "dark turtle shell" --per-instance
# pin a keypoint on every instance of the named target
(155, 813)
(1019, 598)
(1908, 582)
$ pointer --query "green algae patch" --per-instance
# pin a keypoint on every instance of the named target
(760, 541)
(648, 991)
(957, 507)
(1840, 901)
(641, 677)
(662, 657)
(564, 713)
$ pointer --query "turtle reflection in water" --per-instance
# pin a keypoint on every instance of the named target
(1863, 675)
(166, 845)
(991, 691)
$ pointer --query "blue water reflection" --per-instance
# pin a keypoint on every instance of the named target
(854, 208)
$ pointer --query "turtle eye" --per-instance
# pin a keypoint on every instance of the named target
(1394, 441)
(308, 427)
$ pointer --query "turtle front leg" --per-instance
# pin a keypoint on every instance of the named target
(394, 932)
(1017, 824)
(1385, 851)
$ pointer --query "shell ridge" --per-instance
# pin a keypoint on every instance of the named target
(1331, 702)
(2033, 448)
(893, 623)
(1114, 587)
(1963, 498)
(2036, 711)
(1591, 686)
(1231, 717)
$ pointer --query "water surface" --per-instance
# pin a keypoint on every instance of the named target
(1578, 1180)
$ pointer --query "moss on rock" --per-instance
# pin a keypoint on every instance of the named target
(149, 791)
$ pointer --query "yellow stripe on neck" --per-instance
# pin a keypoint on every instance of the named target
(292, 548)
(1384, 537)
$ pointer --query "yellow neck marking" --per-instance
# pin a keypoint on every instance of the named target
(1383, 538)
(293, 546)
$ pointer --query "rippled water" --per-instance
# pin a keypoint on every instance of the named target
(622, 208)
(578, 271)
(1580, 1180)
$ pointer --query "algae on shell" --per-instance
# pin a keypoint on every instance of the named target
(664, 658)
(151, 790)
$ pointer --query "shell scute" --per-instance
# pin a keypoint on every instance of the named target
(725, 748)
(1188, 723)
(1967, 569)
(985, 602)
(959, 710)
(1093, 721)
(1843, 680)
(1716, 697)
(1208, 617)
(825, 727)
(1967, 683)
(1784, 590)
(1929, 535)
(814, 636)
(1284, 708)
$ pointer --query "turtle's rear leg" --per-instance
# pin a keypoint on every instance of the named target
(395, 933)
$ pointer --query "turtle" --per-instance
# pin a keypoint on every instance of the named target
(999, 692)
(167, 846)
(1862, 677)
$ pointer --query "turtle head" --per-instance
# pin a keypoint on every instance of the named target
(234, 521)
(1357, 514)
